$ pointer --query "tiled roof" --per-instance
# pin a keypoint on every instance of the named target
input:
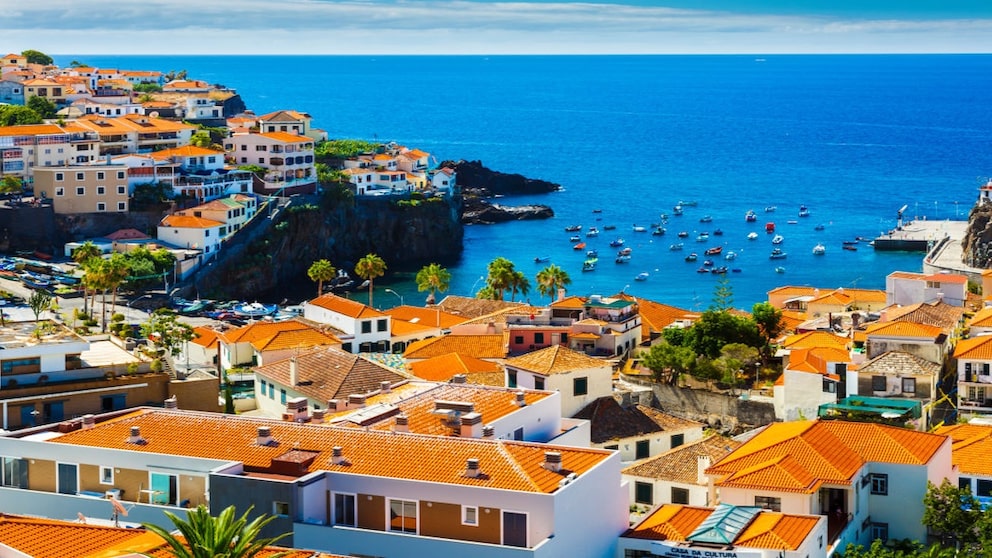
(612, 421)
(325, 373)
(974, 348)
(469, 308)
(680, 464)
(490, 346)
(954, 278)
(400, 328)
(982, 318)
(798, 456)
(442, 368)
(205, 336)
(904, 329)
(286, 137)
(670, 522)
(189, 222)
(656, 316)
(575, 302)
(816, 359)
(493, 403)
(502, 315)
(304, 337)
(127, 234)
(814, 339)
(283, 116)
(260, 332)
(972, 445)
(503, 464)
(937, 313)
(345, 306)
(777, 530)
(431, 316)
(555, 359)
(791, 320)
(184, 151)
(31, 130)
(898, 363)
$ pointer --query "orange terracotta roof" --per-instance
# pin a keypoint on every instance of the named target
(555, 359)
(816, 359)
(904, 329)
(655, 316)
(286, 137)
(982, 318)
(400, 328)
(975, 348)
(907, 275)
(345, 307)
(576, 302)
(971, 449)
(486, 346)
(295, 339)
(670, 522)
(184, 151)
(430, 316)
(792, 290)
(47, 538)
(31, 130)
(798, 456)
(205, 336)
(442, 368)
(777, 531)
(791, 319)
(814, 339)
(504, 464)
(262, 331)
(283, 116)
(953, 278)
(469, 307)
(189, 222)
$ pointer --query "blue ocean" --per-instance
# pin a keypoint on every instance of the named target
(853, 138)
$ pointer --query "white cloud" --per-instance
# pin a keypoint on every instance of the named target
(453, 26)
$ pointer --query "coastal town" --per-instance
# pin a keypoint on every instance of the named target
(824, 421)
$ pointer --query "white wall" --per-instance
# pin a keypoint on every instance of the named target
(599, 384)
(801, 396)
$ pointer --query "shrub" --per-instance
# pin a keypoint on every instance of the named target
(157, 365)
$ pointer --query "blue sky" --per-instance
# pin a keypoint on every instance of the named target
(489, 27)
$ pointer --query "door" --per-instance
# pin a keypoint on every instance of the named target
(53, 411)
(27, 415)
(514, 529)
(68, 482)
(164, 489)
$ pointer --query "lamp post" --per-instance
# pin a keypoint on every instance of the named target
(398, 295)
(132, 301)
(472, 290)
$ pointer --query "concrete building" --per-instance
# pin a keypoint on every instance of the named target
(362, 328)
(580, 378)
(905, 288)
(288, 159)
(84, 189)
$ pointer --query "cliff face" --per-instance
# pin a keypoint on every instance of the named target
(405, 235)
(976, 248)
(473, 175)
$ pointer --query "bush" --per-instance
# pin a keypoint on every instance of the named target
(132, 368)
(157, 365)
(117, 317)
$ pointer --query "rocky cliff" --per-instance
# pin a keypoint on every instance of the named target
(473, 175)
(976, 247)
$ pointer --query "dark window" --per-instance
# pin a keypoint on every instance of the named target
(880, 531)
(768, 502)
(68, 478)
(642, 449)
(538, 338)
(514, 529)
(113, 402)
(678, 440)
(367, 326)
(518, 434)
(580, 386)
(403, 516)
(878, 383)
(829, 386)
(964, 482)
(564, 338)
(282, 396)
(644, 493)
(511, 378)
(984, 488)
(518, 339)
(344, 509)
(381, 325)
(880, 484)
(538, 383)
(14, 473)
(909, 385)
(680, 495)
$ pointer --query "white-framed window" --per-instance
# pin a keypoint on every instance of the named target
(879, 484)
(470, 515)
(121, 206)
(106, 475)
(280, 509)
(101, 190)
(80, 176)
(80, 190)
(100, 206)
(59, 177)
(122, 190)
(909, 385)
(100, 175)
(880, 531)
(60, 191)
(120, 175)
(768, 502)
(402, 516)
(344, 507)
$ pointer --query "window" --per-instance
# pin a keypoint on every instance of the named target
(262, 384)
(518, 434)
(106, 475)
(101, 190)
(121, 206)
(829, 386)
(768, 502)
(344, 509)
(100, 175)
(164, 489)
(580, 386)
(909, 385)
(642, 449)
(680, 495)
(68, 478)
(381, 325)
(80, 176)
(280, 509)
(101, 206)
(470, 515)
(880, 484)
(282, 396)
(120, 175)
(964, 482)
(518, 339)
(121, 190)
(60, 191)
(511, 378)
(880, 531)
(113, 402)
(878, 383)
(59, 177)
(985, 369)
(644, 493)
(984, 488)
(367, 326)
(14, 472)
(538, 338)
(678, 440)
(403, 516)
(80, 191)
(538, 383)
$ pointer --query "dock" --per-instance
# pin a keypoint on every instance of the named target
(921, 235)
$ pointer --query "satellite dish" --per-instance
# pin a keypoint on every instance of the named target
(153, 114)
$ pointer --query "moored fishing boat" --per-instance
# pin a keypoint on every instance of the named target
(254, 309)
(579, 246)
(622, 258)
(573, 228)
(690, 203)
(714, 251)
(683, 234)
(770, 208)
(750, 216)
(702, 237)
(778, 239)
(692, 257)
(677, 210)
(850, 247)
(752, 236)
(617, 242)
(542, 259)
(705, 219)
(640, 228)
(593, 231)
(769, 227)
(719, 270)
(777, 254)
(609, 227)
(658, 231)
(676, 247)
(642, 276)
(819, 250)
(779, 269)
(574, 238)
(592, 253)
(730, 255)
(589, 265)
(624, 251)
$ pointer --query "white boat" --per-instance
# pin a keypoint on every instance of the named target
(642, 276)
(819, 250)
(752, 236)
(703, 237)
(254, 309)
(777, 254)
(676, 247)
(589, 265)
(623, 258)
(777, 239)
(638, 228)
(730, 255)
(593, 231)
(779, 269)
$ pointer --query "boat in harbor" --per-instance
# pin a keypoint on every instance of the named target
(609, 227)
(254, 310)
(707, 263)
(769, 227)
(676, 247)
(778, 239)
(850, 247)
(706, 219)
(592, 253)
(779, 269)
(718, 232)
(702, 237)
(622, 258)
(642, 276)
(692, 257)
(792, 222)
(579, 246)
(752, 236)
(804, 211)
(777, 254)
(690, 203)
(770, 209)
(677, 210)
(658, 231)
(589, 265)
(617, 242)
(703, 270)
(593, 231)
(624, 251)
(730, 255)
(850, 242)
(542, 259)
(750, 216)
(683, 234)
(597, 210)
(819, 227)
(819, 250)
(640, 228)
(573, 228)
(714, 251)
(719, 270)
(574, 238)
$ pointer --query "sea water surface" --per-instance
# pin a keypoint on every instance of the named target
(852, 137)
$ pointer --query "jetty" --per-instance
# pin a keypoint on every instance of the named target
(920, 235)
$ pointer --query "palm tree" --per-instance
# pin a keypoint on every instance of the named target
(39, 301)
(320, 271)
(204, 536)
(369, 268)
(118, 270)
(500, 276)
(550, 279)
(82, 256)
(434, 278)
(518, 284)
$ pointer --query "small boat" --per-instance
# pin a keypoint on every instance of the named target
(676, 247)
(819, 227)
(804, 211)
(819, 250)
(791, 222)
(770, 209)
(609, 227)
(574, 238)
(623, 258)
(579, 246)
(707, 263)
(683, 234)
(658, 231)
(690, 203)
(616, 243)
(769, 227)
(573, 228)
(703, 270)
(254, 309)
(592, 253)
(736, 270)
(625, 251)
(777, 254)
(718, 232)
(593, 231)
(691, 257)
(778, 239)
(851, 247)
(730, 256)
(542, 259)
(779, 269)
(639, 228)
(702, 237)
(714, 251)
(752, 236)
(719, 270)
(750, 216)
(597, 210)
(850, 242)
(589, 265)
(705, 219)
(195, 307)
(677, 210)
(642, 276)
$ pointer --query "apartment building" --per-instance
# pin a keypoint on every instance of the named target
(84, 189)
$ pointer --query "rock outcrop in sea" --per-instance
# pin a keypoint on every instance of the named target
(480, 184)
(976, 247)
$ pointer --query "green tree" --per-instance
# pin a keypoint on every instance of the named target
(953, 514)
(550, 279)
(82, 255)
(42, 106)
(17, 115)
(734, 359)
(37, 57)
(343, 148)
(673, 359)
(370, 267)
(433, 278)
(500, 276)
(201, 139)
(39, 301)
(320, 271)
(164, 327)
(11, 184)
(714, 329)
(770, 326)
(723, 295)
(148, 88)
(117, 271)
(224, 536)
(518, 284)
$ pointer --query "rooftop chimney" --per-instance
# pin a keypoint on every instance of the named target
(458, 379)
(264, 436)
(488, 431)
(337, 456)
(317, 417)
(89, 421)
(402, 424)
(171, 403)
(135, 437)
(356, 401)
(292, 372)
(561, 294)
(472, 468)
(552, 461)
(519, 399)
(702, 463)
(385, 387)
(471, 426)
(335, 405)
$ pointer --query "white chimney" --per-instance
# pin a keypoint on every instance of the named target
(519, 399)
(171, 403)
(402, 423)
(337, 456)
(488, 431)
(89, 421)
(471, 426)
(458, 379)
(356, 401)
(135, 437)
(317, 417)
(561, 293)
(702, 463)
(385, 387)
(292, 372)
(552, 461)
(472, 468)
(335, 405)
